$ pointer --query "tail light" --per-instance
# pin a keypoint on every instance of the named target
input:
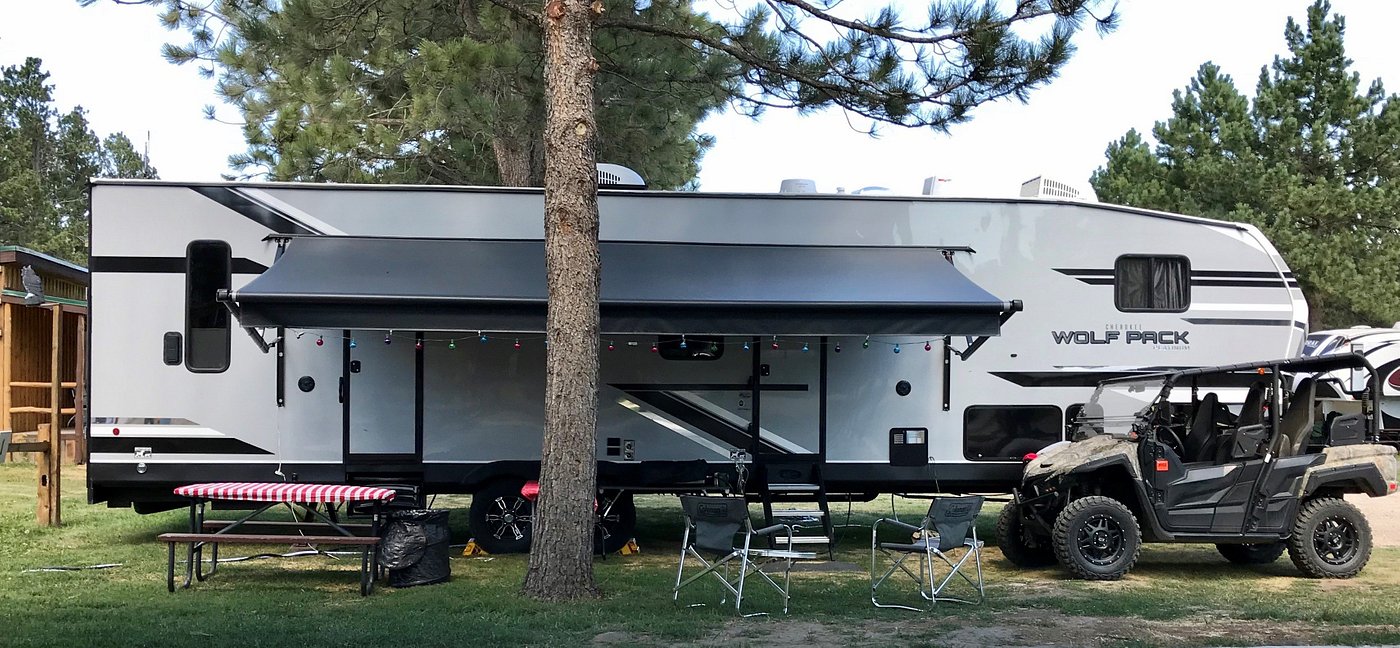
(1030, 456)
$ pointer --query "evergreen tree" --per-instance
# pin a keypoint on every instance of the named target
(46, 159)
(1312, 162)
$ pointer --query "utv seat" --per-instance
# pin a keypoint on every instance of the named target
(1297, 423)
(1203, 433)
(1251, 413)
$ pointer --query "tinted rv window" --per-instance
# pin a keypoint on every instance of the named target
(1152, 284)
(208, 269)
(1004, 432)
(697, 347)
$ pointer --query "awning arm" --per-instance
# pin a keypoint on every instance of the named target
(225, 297)
(1014, 307)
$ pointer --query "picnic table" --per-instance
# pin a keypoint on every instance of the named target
(305, 497)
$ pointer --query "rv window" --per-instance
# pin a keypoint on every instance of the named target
(696, 347)
(208, 268)
(1008, 432)
(1152, 284)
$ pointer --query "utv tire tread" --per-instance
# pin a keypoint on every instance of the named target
(1300, 542)
(1252, 554)
(1065, 537)
(1009, 530)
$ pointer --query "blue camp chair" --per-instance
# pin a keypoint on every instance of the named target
(948, 526)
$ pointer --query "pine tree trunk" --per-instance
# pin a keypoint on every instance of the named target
(561, 555)
(513, 160)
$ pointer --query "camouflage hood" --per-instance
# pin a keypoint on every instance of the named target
(1065, 456)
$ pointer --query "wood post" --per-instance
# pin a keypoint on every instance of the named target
(51, 460)
(80, 451)
(7, 357)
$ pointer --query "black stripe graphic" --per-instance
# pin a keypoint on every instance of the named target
(702, 420)
(675, 387)
(256, 212)
(1212, 278)
(1241, 283)
(1093, 378)
(175, 445)
(1230, 321)
(162, 265)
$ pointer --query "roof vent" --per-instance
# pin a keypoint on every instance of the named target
(798, 186)
(616, 176)
(934, 185)
(1043, 187)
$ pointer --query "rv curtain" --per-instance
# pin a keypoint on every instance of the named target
(1152, 283)
(338, 282)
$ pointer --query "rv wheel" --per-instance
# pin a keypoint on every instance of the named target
(1252, 554)
(1097, 538)
(617, 521)
(502, 520)
(1022, 547)
(1331, 539)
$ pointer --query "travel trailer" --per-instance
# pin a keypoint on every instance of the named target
(1381, 347)
(342, 333)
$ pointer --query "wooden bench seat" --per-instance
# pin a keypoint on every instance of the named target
(194, 562)
(215, 525)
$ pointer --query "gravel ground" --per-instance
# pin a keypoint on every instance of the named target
(1384, 515)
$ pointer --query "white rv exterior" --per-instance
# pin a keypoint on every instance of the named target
(1381, 348)
(460, 414)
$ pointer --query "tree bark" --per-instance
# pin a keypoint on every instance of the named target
(513, 160)
(561, 555)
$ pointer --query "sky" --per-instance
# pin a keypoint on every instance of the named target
(107, 59)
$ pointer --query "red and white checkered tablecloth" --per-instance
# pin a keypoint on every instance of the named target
(286, 492)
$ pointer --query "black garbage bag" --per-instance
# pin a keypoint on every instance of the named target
(415, 548)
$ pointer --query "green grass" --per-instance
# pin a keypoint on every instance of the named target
(314, 601)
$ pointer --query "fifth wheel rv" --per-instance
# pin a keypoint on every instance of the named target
(863, 344)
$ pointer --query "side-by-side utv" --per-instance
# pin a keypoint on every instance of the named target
(1160, 459)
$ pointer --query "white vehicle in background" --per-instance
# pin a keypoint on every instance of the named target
(1381, 347)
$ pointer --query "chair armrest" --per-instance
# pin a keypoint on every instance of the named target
(768, 530)
(903, 525)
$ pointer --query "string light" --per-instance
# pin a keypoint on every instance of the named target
(838, 347)
(653, 347)
(896, 348)
(714, 347)
(320, 341)
(804, 347)
(418, 345)
(683, 345)
(610, 345)
(775, 343)
(928, 346)
(386, 338)
(452, 344)
(352, 343)
(746, 345)
(517, 343)
(483, 336)
(866, 343)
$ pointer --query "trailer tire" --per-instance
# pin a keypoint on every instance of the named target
(614, 529)
(1261, 553)
(502, 520)
(1097, 538)
(1019, 545)
(1330, 539)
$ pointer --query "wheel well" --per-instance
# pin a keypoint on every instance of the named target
(1112, 481)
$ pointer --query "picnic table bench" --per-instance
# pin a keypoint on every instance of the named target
(212, 533)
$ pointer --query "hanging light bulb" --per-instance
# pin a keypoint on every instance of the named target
(804, 347)
(352, 343)
(610, 345)
(483, 336)
(653, 347)
(928, 346)
(418, 345)
(866, 343)
(714, 347)
(683, 345)
(386, 338)
(320, 341)
(517, 343)
(775, 343)
(451, 344)
(896, 348)
(746, 345)
(838, 347)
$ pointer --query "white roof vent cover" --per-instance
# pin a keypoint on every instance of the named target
(1043, 187)
(616, 176)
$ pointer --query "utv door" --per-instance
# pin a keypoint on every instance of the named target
(1184, 496)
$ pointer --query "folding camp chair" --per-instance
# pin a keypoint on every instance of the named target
(948, 526)
(711, 524)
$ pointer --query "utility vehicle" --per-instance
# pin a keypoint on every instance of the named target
(1161, 459)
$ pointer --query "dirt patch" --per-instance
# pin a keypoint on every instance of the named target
(1020, 628)
(1384, 515)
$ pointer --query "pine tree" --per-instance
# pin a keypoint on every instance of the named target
(1312, 162)
(46, 159)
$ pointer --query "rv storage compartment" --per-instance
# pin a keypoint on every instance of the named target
(909, 446)
(414, 548)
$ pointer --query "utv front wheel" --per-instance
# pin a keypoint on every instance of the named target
(1097, 538)
(1022, 547)
(1252, 554)
(1331, 539)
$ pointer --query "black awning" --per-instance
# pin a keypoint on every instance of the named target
(338, 282)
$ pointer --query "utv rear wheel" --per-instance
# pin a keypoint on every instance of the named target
(1022, 547)
(1097, 538)
(1252, 554)
(502, 520)
(1331, 539)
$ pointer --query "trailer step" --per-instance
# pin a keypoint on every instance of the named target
(797, 540)
(807, 513)
(794, 488)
